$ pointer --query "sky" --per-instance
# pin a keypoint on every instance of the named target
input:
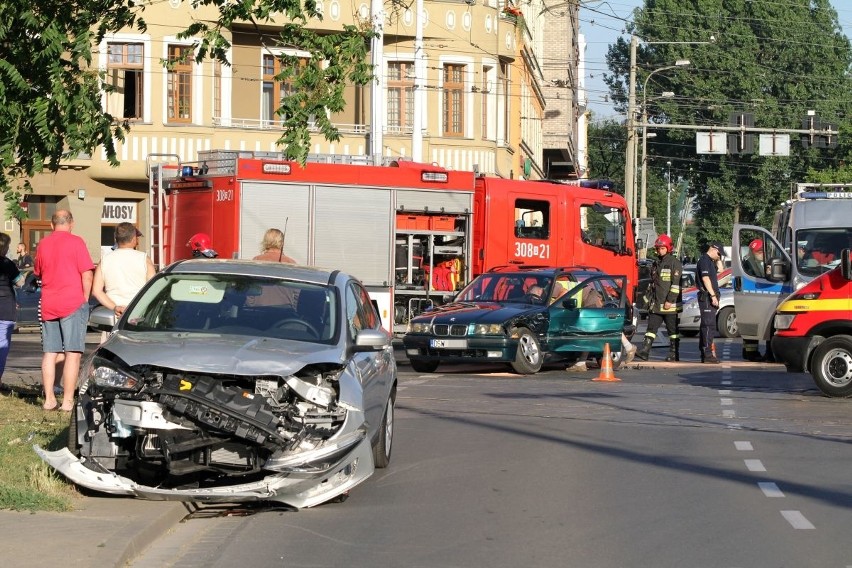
(603, 22)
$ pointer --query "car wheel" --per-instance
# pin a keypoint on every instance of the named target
(384, 443)
(529, 357)
(727, 322)
(831, 366)
(421, 366)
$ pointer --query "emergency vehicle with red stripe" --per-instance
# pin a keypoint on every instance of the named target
(808, 233)
(814, 330)
(413, 233)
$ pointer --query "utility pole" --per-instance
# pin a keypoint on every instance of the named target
(630, 167)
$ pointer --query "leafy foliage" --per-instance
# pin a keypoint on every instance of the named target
(50, 96)
(50, 100)
(775, 60)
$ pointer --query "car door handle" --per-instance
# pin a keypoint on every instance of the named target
(613, 316)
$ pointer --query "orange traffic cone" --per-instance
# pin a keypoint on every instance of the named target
(606, 373)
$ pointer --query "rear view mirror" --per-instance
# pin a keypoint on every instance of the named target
(846, 264)
(779, 270)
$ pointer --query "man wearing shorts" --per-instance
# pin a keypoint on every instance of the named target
(66, 271)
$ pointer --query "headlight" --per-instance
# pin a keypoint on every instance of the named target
(488, 329)
(784, 321)
(106, 375)
(419, 327)
(692, 305)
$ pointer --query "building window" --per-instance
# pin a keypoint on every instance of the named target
(125, 79)
(400, 88)
(274, 90)
(217, 89)
(453, 111)
(484, 97)
(504, 94)
(179, 84)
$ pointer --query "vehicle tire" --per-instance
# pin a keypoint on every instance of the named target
(726, 322)
(529, 358)
(420, 366)
(688, 332)
(831, 366)
(384, 443)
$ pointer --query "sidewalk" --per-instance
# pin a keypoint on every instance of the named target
(102, 531)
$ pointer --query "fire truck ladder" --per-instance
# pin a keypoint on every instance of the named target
(158, 168)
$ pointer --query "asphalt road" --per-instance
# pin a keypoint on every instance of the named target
(677, 465)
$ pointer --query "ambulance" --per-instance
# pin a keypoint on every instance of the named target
(813, 330)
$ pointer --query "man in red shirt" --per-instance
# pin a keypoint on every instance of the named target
(66, 271)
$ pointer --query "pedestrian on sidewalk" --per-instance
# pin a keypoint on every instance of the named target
(708, 300)
(66, 270)
(122, 272)
(9, 276)
(25, 259)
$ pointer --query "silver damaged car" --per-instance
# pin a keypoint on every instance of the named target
(231, 381)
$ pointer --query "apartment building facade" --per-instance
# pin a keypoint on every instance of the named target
(462, 86)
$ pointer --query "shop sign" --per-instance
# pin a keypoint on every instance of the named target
(119, 212)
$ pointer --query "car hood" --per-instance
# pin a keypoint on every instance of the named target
(211, 353)
(469, 312)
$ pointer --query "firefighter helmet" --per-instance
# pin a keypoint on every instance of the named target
(201, 246)
(664, 241)
(756, 245)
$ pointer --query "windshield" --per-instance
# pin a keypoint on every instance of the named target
(818, 250)
(237, 305)
(524, 288)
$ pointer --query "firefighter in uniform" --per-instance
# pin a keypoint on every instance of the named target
(666, 299)
(201, 246)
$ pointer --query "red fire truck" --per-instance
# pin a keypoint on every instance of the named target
(413, 233)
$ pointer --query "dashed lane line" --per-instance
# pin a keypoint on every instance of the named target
(797, 520)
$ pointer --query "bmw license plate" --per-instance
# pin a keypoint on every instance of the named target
(449, 343)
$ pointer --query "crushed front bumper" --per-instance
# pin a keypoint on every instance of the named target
(302, 484)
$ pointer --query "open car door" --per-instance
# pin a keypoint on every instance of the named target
(756, 291)
(591, 313)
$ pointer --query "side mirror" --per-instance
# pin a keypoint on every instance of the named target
(846, 264)
(779, 270)
(102, 319)
(570, 303)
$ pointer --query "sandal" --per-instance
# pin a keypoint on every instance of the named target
(63, 409)
(51, 408)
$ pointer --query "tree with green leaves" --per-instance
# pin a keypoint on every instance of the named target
(774, 60)
(50, 94)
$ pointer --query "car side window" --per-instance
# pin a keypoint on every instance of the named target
(360, 312)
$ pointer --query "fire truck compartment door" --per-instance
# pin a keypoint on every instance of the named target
(352, 232)
(284, 207)
(755, 295)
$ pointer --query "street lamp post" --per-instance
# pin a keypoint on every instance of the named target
(669, 201)
(643, 207)
(630, 150)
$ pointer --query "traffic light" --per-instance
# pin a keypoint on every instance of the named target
(815, 138)
(740, 142)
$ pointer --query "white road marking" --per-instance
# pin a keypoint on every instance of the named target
(770, 489)
(798, 520)
(726, 401)
(754, 465)
(725, 391)
(744, 446)
(729, 413)
(735, 426)
(726, 382)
